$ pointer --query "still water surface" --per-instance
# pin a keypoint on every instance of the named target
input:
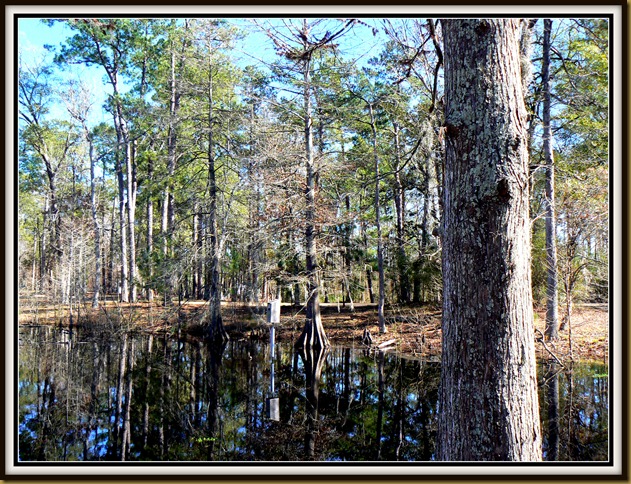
(133, 397)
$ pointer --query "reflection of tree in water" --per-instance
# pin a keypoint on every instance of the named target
(313, 360)
(111, 396)
(551, 380)
(574, 408)
(215, 353)
(147, 376)
(381, 391)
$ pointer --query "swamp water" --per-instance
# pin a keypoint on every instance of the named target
(134, 397)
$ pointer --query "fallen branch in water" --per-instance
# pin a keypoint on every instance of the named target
(385, 344)
(543, 343)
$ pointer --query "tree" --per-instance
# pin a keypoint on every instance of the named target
(215, 324)
(105, 43)
(300, 50)
(51, 142)
(414, 69)
(580, 90)
(488, 397)
(78, 105)
(552, 311)
(370, 106)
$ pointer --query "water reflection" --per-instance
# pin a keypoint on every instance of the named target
(313, 360)
(551, 380)
(272, 401)
(86, 396)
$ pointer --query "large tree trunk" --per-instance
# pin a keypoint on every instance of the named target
(313, 334)
(488, 397)
(552, 311)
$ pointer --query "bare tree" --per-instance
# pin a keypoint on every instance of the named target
(52, 142)
(78, 105)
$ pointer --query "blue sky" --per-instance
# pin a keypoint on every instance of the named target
(33, 34)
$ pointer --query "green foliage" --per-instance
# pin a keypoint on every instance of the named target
(580, 92)
(181, 84)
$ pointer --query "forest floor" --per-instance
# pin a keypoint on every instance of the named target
(413, 331)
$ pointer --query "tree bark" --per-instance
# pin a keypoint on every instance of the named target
(552, 307)
(488, 397)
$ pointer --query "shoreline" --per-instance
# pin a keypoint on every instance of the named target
(413, 331)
